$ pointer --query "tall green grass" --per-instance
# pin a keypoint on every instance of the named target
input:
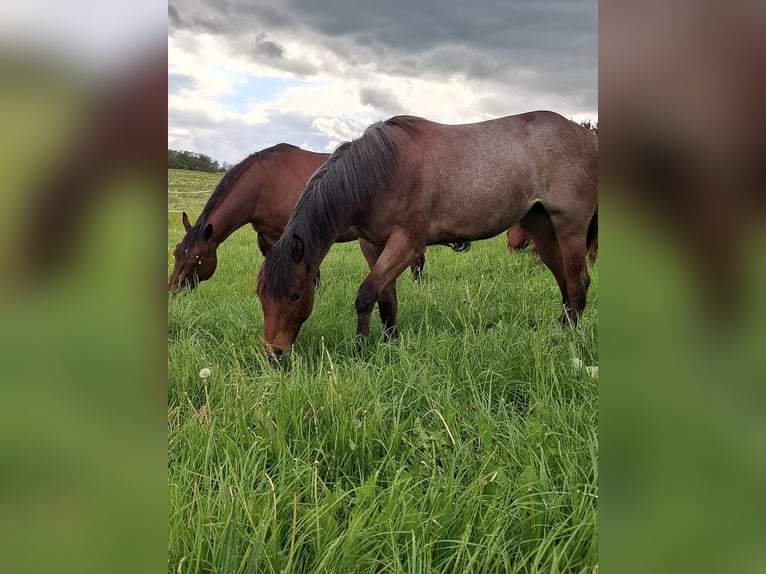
(468, 445)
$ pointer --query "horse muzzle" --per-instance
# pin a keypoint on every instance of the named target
(275, 352)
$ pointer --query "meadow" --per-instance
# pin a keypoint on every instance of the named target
(470, 444)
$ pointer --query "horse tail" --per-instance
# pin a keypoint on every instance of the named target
(459, 246)
(592, 236)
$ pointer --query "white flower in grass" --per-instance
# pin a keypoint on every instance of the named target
(204, 373)
(591, 370)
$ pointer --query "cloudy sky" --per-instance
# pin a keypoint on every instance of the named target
(246, 74)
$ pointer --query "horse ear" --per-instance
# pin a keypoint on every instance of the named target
(296, 248)
(185, 220)
(208, 233)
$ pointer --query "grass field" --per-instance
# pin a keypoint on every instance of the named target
(469, 445)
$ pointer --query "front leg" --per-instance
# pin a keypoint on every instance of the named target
(380, 284)
(387, 305)
(365, 301)
(387, 300)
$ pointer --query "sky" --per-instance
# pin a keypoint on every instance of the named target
(92, 36)
(246, 74)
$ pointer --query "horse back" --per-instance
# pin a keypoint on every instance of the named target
(496, 170)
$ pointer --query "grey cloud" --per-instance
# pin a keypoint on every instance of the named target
(536, 34)
(266, 14)
(210, 24)
(298, 67)
(268, 48)
(197, 18)
(381, 99)
(272, 53)
(174, 18)
(524, 33)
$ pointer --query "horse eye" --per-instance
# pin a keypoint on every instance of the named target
(294, 297)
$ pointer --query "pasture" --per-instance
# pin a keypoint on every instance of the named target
(468, 445)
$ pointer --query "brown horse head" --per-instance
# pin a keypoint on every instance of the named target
(195, 257)
(285, 286)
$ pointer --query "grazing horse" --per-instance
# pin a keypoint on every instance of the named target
(409, 182)
(260, 190)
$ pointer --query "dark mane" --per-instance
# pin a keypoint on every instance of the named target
(224, 186)
(339, 189)
(406, 123)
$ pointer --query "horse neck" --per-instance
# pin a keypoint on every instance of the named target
(318, 245)
(265, 194)
(236, 209)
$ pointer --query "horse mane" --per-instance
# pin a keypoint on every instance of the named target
(224, 186)
(407, 124)
(343, 186)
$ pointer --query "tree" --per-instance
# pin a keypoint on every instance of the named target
(590, 125)
(191, 161)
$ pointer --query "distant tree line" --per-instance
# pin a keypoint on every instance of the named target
(193, 161)
(590, 125)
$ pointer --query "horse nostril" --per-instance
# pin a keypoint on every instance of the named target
(273, 352)
(275, 357)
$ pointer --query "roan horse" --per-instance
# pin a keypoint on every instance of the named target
(261, 190)
(409, 182)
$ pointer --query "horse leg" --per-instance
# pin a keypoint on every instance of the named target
(573, 251)
(387, 304)
(538, 225)
(417, 267)
(593, 251)
(379, 285)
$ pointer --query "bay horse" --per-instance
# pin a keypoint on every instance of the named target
(261, 190)
(409, 182)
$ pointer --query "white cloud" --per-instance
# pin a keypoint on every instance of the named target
(333, 127)
(331, 94)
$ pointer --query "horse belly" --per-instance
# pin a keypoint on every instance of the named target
(476, 213)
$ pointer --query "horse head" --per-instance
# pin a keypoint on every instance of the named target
(285, 287)
(195, 257)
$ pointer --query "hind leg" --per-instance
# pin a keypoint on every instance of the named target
(417, 267)
(538, 225)
(573, 250)
(593, 251)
